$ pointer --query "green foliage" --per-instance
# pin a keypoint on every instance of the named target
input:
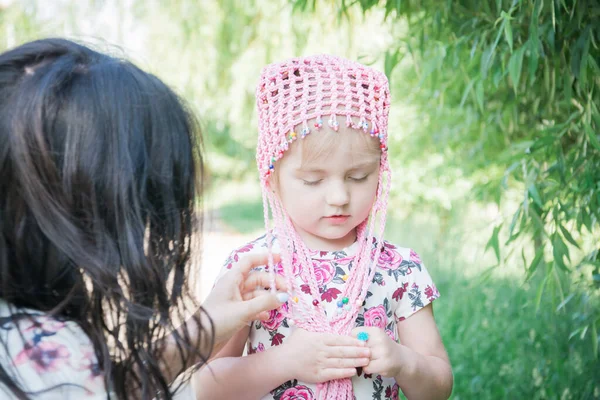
(509, 93)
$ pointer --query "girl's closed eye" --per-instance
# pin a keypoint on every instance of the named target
(359, 178)
(308, 182)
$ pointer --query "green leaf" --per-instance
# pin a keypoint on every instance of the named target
(559, 251)
(591, 136)
(595, 340)
(508, 34)
(568, 236)
(489, 53)
(494, 242)
(466, 93)
(534, 56)
(515, 65)
(537, 220)
(539, 255)
(479, 95)
(565, 302)
(567, 85)
(540, 292)
(513, 222)
(584, 59)
(535, 195)
(391, 60)
(587, 220)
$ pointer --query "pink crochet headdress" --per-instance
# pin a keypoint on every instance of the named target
(289, 95)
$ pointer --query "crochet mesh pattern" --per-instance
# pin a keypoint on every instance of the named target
(291, 93)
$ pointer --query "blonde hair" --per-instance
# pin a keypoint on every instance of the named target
(319, 144)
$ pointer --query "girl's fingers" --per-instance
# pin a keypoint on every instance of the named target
(348, 352)
(343, 363)
(330, 374)
(337, 340)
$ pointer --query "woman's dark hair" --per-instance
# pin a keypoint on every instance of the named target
(99, 173)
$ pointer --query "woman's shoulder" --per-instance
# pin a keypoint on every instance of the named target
(42, 352)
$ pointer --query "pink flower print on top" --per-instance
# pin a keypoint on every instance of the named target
(235, 255)
(276, 317)
(296, 267)
(399, 293)
(324, 272)
(44, 323)
(258, 349)
(391, 392)
(389, 258)
(299, 392)
(376, 316)
(46, 356)
(88, 362)
(414, 257)
(431, 292)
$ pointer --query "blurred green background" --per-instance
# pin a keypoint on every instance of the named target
(493, 139)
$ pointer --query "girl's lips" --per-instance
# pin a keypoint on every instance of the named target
(337, 219)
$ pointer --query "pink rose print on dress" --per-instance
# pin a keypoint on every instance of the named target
(324, 272)
(299, 392)
(431, 292)
(330, 295)
(389, 258)
(391, 392)
(46, 324)
(296, 267)
(376, 316)
(414, 257)
(46, 356)
(88, 362)
(276, 317)
(399, 293)
(277, 339)
(235, 255)
(258, 349)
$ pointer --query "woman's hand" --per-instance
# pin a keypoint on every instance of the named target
(239, 297)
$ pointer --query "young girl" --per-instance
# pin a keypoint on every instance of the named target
(99, 174)
(323, 163)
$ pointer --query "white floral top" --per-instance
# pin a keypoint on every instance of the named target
(52, 358)
(49, 357)
(400, 287)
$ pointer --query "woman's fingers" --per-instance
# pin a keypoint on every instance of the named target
(250, 261)
(256, 280)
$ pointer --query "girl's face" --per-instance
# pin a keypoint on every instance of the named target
(327, 183)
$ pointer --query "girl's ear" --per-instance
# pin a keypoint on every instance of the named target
(271, 184)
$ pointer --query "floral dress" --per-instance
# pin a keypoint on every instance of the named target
(53, 358)
(48, 355)
(401, 286)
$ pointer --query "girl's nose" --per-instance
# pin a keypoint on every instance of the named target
(338, 195)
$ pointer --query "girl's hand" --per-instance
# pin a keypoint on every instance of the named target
(388, 358)
(320, 357)
(239, 297)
